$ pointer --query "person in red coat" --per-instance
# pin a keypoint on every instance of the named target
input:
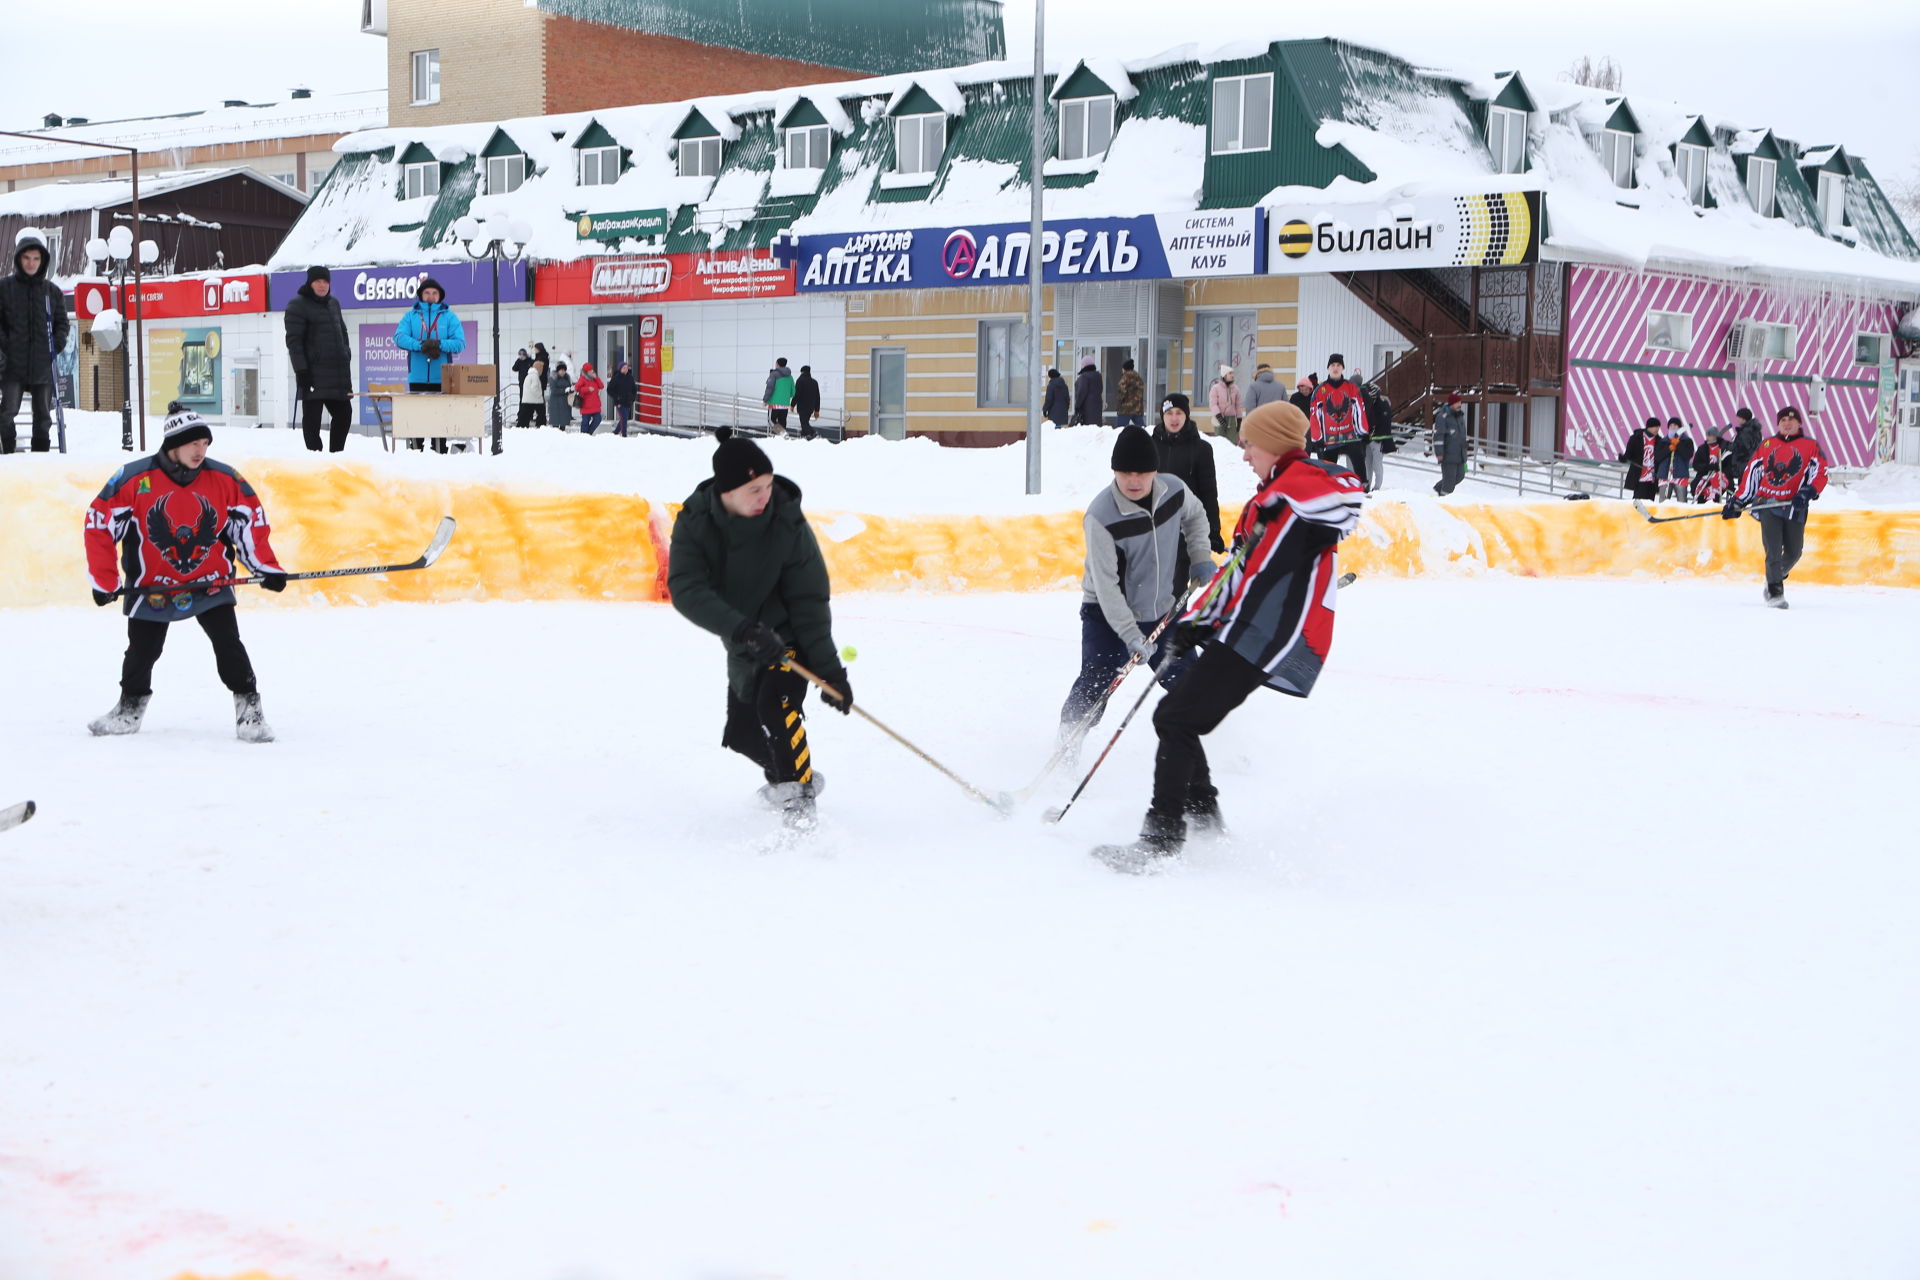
(179, 519)
(588, 388)
(1785, 474)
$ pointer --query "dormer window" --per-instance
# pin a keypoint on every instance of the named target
(1691, 163)
(598, 158)
(1242, 114)
(918, 143)
(1832, 198)
(1086, 127)
(419, 173)
(699, 157)
(1507, 139)
(505, 173)
(1615, 149)
(806, 147)
(1761, 175)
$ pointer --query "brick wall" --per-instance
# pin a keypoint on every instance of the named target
(590, 65)
(491, 60)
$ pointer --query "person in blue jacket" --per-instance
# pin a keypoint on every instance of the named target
(431, 335)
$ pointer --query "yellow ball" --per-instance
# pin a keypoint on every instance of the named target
(849, 653)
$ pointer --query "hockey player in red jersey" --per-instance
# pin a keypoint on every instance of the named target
(1266, 619)
(1337, 424)
(1789, 469)
(179, 519)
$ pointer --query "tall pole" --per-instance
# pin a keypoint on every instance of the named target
(126, 366)
(1036, 393)
(499, 388)
(139, 308)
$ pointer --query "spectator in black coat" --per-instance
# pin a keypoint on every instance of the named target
(322, 357)
(29, 302)
(806, 401)
(1088, 390)
(1185, 453)
(1642, 456)
(1057, 407)
(623, 390)
(1302, 397)
(1744, 442)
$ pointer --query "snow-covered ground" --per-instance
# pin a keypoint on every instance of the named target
(1566, 931)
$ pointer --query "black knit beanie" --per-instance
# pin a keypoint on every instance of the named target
(319, 273)
(737, 461)
(1134, 451)
(1177, 400)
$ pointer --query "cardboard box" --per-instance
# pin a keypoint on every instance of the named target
(466, 379)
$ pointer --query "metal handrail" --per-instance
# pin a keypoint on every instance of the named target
(1504, 466)
(691, 410)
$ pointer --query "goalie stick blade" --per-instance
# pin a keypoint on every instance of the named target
(13, 815)
(441, 537)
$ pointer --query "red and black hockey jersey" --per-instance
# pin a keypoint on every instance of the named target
(174, 527)
(1781, 468)
(1339, 415)
(1274, 605)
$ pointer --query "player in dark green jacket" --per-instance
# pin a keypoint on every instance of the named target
(744, 565)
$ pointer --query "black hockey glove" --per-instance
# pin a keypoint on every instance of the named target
(1732, 510)
(102, 598)
(844, 703)
(430, 348)
(274, 581)
(759, 642)
(1188, 636)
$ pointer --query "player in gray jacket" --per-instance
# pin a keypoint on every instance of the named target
(1146, 540)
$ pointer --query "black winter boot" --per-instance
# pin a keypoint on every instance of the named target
(1203, 813)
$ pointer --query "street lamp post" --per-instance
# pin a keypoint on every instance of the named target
(1036, 234)
(117, 259)
(490, 240)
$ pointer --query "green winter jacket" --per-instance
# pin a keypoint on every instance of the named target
(723, 570)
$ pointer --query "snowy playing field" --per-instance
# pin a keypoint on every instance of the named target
(1567, 931)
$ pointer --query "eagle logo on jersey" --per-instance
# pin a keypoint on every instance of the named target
(183, 547)
(1782, 466)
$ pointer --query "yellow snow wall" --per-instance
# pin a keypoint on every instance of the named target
(524, 543)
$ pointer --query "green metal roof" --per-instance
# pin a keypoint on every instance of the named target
(502, 145)
(695, 126)
(800, 115)
(1872, 215)
(917, 102)
(1084, 84)
(595, 135)
(1623, 120)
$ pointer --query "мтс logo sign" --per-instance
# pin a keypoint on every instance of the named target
(959, 254)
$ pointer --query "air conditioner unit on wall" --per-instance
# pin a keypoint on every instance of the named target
(1744, 338)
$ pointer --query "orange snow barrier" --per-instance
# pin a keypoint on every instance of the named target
(534, 544)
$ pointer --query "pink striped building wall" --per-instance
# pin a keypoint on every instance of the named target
(1615, 382)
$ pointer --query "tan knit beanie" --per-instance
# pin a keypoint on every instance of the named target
(1276, 426)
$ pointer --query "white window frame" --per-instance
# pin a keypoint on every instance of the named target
(1252, 130)
(1615, 148)
(1782, 342)
(699, 157)
(510, 173)
(919, 140)
(1015, 381)
(1507, 138)
(426, 77)
(1763, 195)
(1078, 117)
(1679, 331)
(598, 166)
(422, 178)
(289, 179)
(1690, 162)
(1832, 198)
(1879, 341)
(812, 142)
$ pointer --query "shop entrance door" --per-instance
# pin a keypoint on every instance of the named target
(889, 392)
(613, 340)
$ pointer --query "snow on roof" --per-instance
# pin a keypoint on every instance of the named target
(718, 113)
(1814, 157)
(69, 197)
(1746, 141)
(828, 105)
(1111, 72)
(942, 88)
(293, 118)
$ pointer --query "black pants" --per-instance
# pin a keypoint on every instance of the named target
(146, 639)
(1351, 456)
(42, 394)
(1784, 538)
(806, 423)
(1101, 655)
(777, 417)
(1217, 682)
(342, 411)
(771, 730)
(527, 414)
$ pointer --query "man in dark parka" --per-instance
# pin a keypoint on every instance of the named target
(322, 357)
(744, 564)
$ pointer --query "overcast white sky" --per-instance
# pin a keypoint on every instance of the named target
(1838, 72)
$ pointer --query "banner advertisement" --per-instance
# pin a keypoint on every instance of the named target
(466, 283)
(667, 277)
(1422, 231)
(383, 363)
(176, 298)
(183, 365)
(634, 224)
(1165, 246)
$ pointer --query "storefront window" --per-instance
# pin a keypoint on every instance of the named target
(1005, 364)
(1225, 337)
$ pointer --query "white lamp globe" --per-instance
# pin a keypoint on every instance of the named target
(120, 242)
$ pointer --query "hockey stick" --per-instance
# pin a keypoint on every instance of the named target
(1054, 815)
(441, 537)
(829, 691)
(53, 367)
(13, 815)
(1641, 507)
